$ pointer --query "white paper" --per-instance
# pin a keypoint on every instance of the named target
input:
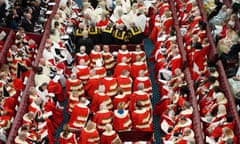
(51, 3)
(2, 35)
(65, 37)
(49, 12)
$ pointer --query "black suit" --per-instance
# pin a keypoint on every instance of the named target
(135, 35)
(35, 13)
(3, 11)
(27, 25)
(106, 35)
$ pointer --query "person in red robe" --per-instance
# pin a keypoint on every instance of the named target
(102, 117)
(89, 134)
(120, 67)
(55, 87)
(227, 136)
(99, 98)
(197, 18)
(92, 84)
(9, 85)
(141, 97)
(121, 119)
(108, 58)
(187, 136)
(100, 69)
(176, 61)
(74, 84)
(167, 121)
(32, 134)
(21, 139)
(125, 82)
(109, 136)
(66, 136)
(182, 123)
(82, 55)
(138, 52)
(79, 115)
(42, 120)
(35, 105)
(83, 71)
(187, 110)
(141, 118)
(167, 23)
(5, 122)
(57, 115)
(121, 97)
(123, 52)
(165, 100)
(138, 66)
(163, 7)
(73, 99)
(199, 60)
(18, 84)
(145, 80)
(110, 84)
(28, 118)
(104, 20)
(95, 55)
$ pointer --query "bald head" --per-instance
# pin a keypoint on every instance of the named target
(140, 86)
(108, 127)
(124, 47)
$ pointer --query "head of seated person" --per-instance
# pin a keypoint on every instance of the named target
(28, 10)
(124, 47)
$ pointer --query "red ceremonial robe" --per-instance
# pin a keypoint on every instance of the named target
(122, 122)
(110, 84)
(91, 86)
(89, 136)
(70, 139)
(101, 118)
(125, 83)
(142, 120)
(56, 88)
(121, 67)
(109, 137)
(78, 116)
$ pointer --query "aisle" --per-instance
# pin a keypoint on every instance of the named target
(65, 120)
(148, 47)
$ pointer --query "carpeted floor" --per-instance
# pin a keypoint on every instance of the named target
(65, 120)
(148, 47)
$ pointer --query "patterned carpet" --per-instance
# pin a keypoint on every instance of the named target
(148, 46)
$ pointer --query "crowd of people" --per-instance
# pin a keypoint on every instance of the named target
(31, 15)
(227, 38)
(14, 77)
(101, 24)
(106, 92)
(218, 125)
(110, 92)
(174, 108)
